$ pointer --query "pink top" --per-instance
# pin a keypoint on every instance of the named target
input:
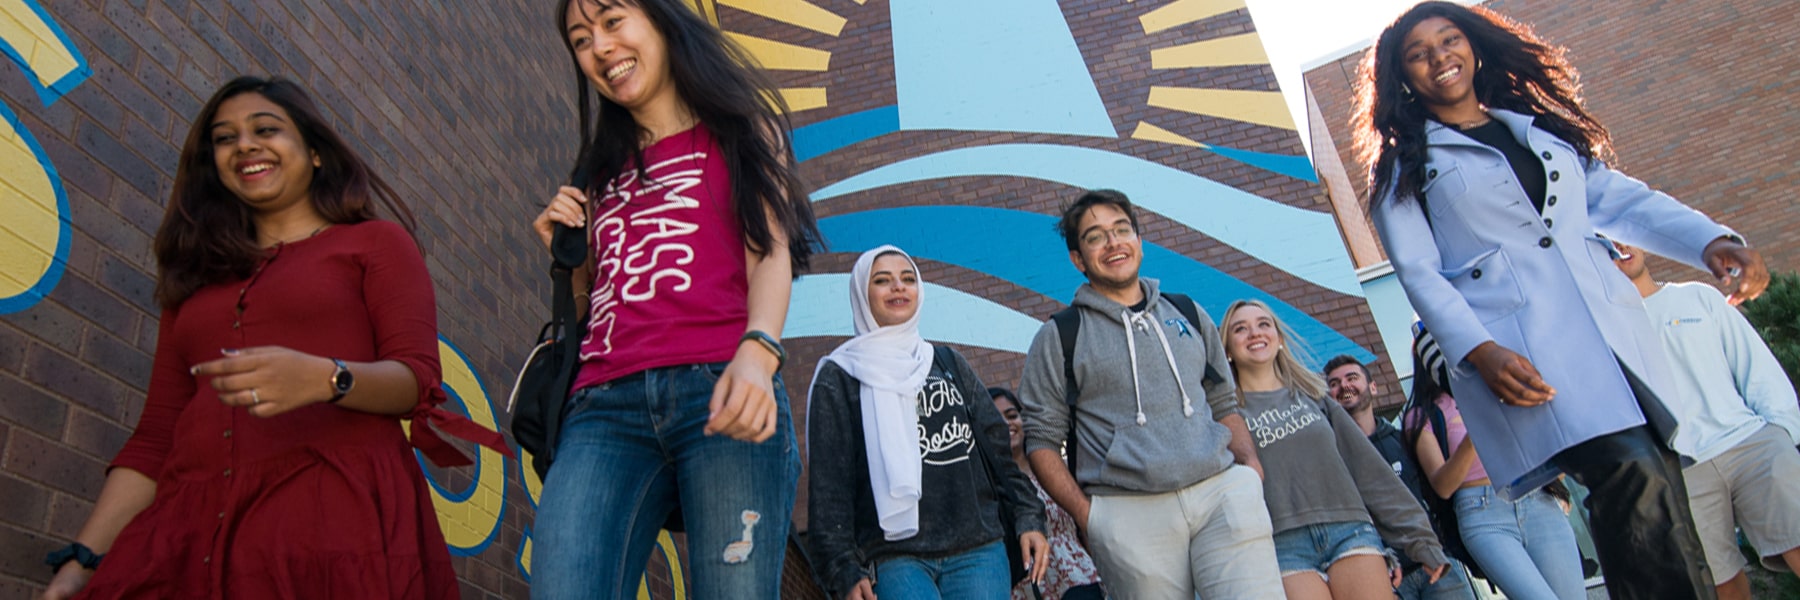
(1453, 421)
(670, 284)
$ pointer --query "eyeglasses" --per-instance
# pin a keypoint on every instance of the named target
(1097, 238)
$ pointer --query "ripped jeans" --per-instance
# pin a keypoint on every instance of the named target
(630, 450)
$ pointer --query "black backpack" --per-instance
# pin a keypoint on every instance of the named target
(1068, 327)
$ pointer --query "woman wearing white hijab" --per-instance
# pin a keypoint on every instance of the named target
(909, 461)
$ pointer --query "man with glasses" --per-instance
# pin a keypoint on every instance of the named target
(1166, 485)
(1747, 474)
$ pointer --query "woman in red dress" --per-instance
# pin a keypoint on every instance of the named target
(297, 331)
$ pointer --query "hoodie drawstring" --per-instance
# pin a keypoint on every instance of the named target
(1134, 319)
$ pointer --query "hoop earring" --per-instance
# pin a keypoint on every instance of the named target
(1406, 92)
(1477, 64)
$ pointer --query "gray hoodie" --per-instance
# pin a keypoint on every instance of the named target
(1140, 429)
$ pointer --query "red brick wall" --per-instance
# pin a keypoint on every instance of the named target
(1699, 96)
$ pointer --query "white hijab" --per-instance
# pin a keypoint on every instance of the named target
(890, 363)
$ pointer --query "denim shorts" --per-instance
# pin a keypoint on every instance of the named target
(1314, 548)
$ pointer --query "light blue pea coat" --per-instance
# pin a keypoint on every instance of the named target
(1486, 266)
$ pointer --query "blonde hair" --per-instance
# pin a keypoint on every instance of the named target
(1291, 355)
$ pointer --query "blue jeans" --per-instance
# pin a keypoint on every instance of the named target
(1454, 585)
(630, 450)
(979, 574)
(1527, 548)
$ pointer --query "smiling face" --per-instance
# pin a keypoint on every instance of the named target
(1439, 63)
(1109, 250)
(260, 154)
(1350, 386)
(622, 53)
(1251, 336)
(1015, 424)
(893, 290)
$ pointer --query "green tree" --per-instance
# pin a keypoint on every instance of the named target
(1776, 316)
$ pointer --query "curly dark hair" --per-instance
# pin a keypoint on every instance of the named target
(207, 235)
(1518, 72)
(736, 101)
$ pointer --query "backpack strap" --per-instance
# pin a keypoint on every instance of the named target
(1190, 311)
(940, 358)
(1068, 325)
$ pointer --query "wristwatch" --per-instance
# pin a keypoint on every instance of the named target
(341, 381)
(76, 552)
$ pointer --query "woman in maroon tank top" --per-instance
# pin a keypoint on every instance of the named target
(698, 222)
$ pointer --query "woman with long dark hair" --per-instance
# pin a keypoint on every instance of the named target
(1525, 546)
(910, 466)
(1335, 503)
(297, 331)
(1489, 186)
(686, 188)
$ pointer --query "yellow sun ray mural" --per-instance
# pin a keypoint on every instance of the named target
(1152, 133)
(1246, 49)
(1250, 106)
(1182, 12)
(783, 56)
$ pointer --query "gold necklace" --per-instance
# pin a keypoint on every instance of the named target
(1467, 125)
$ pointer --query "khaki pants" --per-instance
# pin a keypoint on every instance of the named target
(1212, 537)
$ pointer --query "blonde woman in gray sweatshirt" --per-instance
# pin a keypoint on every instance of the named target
(1331, 497)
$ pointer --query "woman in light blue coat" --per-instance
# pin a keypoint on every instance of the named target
(1489, 188)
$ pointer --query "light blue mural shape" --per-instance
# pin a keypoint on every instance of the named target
(950, 315)
(1301, 242)
(993, 65)
(1023, 248)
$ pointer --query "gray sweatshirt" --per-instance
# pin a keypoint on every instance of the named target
(1319, 468)
(1139, 428)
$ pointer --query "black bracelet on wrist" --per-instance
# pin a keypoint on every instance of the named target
(77, 552)
(768, 342)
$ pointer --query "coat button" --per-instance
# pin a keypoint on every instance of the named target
(1554, 175)
(1475, 275)
(1546, 223)
(228, 433)
(1431, 174)
(1546, 155)
(1544, 242)
(1551, 201)
(228, 471)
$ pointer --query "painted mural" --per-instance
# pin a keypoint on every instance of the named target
(34, 212)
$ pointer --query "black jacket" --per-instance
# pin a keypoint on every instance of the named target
(959, 513)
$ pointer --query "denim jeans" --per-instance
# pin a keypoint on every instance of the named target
(630, 450)
(1526, 547)
(1314, 548)
(979, 574)
(1454, 585)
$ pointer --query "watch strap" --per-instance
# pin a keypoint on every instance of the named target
(768, 342)
(77, 552)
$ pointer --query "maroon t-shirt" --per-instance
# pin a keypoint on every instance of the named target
(670, 286)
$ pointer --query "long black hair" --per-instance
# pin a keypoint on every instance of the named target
(1517, 72)
(716, 80)
(207, 234)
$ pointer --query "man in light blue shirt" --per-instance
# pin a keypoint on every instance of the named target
(1745, 426)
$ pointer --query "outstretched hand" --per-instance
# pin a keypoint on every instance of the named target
(1730, 262)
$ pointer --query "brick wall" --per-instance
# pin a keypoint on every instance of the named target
(1699, 96)
(466, 109)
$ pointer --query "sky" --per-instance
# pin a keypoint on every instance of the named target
(1303, 33)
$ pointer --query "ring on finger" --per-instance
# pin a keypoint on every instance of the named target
(255, 399)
